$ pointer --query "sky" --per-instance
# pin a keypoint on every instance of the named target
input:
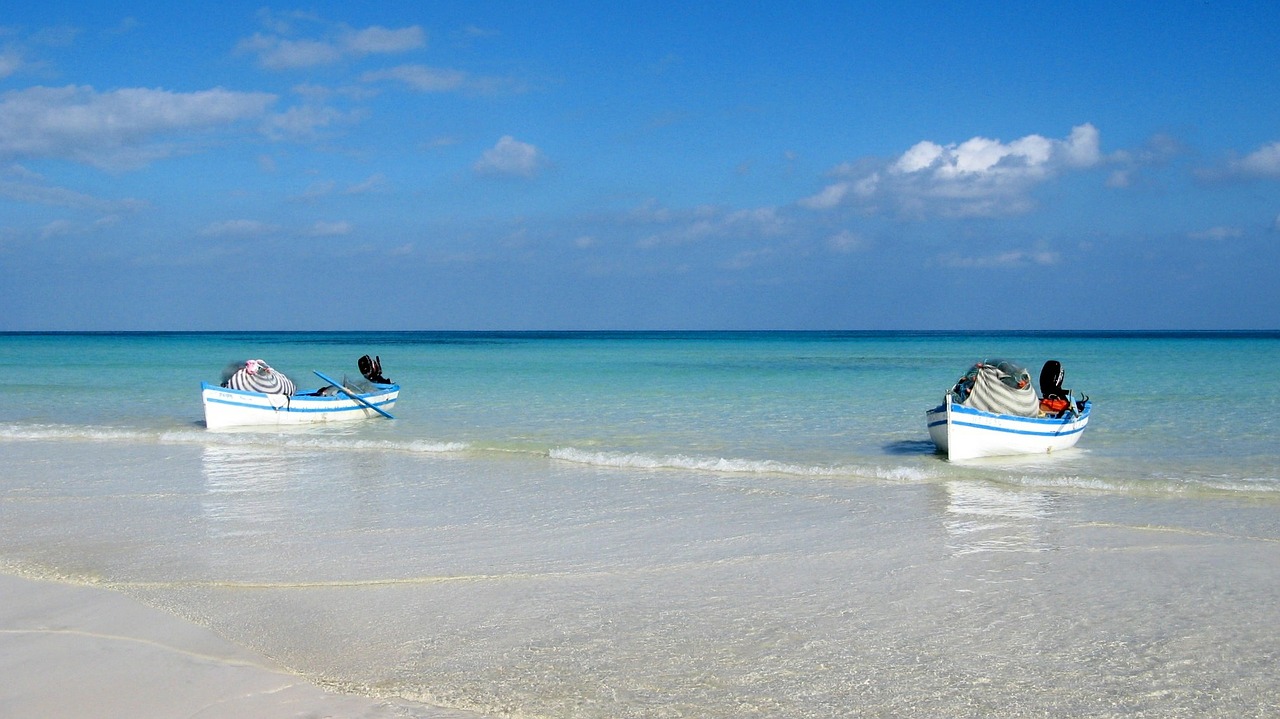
(638, 165)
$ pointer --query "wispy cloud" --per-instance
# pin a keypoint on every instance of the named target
(420, 77)
(1217, 234)
(1262, 162)
(120, 129)
(329, 229)
(977, 177)
(708, 223)
(19, 184)
(1012, 258)
(375, 183)
(283, 49)
(308, 122)
(239, 228)
(845, 242)
(511, 158)
(10, 62)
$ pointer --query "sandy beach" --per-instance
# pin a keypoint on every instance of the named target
(80, 651)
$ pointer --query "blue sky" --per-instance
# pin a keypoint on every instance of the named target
(640, 166)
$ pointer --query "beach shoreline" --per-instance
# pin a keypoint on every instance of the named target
(69, 650)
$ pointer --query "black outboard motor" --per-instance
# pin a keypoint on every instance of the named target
(1051, 381)
(372, 369)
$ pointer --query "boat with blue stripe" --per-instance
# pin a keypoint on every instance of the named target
(993, 411)
(236, 402)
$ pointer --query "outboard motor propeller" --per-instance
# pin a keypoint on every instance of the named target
(372, 369)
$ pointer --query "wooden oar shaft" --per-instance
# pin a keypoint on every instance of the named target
(351, 394)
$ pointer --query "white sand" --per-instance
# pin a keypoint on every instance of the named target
(76, 651)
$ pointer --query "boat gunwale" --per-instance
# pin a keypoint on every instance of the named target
(943, 408)
(382, 390)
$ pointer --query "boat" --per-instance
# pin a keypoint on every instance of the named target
(256, 394)
(993, 411)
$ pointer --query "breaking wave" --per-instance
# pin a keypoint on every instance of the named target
(274, 439)
(637, 460)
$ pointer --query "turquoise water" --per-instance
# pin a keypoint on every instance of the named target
(1172, 412)
(677, 524)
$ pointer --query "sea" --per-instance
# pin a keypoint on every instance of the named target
(676, 524)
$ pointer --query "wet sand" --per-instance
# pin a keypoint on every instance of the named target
(78, 651)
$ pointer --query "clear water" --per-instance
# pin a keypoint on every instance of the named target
(688, 524)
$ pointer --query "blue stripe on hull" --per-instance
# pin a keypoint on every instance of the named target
(293, 409)
(1010, 430)
(984, 430)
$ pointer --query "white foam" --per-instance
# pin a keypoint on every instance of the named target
(637, 460)
(272, 438)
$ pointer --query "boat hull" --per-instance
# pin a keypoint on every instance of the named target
(966, 433)
(225, 407)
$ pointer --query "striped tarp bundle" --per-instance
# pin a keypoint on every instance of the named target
(257, 376)
(1003, 388)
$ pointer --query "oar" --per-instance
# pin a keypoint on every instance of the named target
(351, 394)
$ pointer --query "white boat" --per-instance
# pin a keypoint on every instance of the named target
(224, 407)
(967, 433)
(993, 411)
(237, 405)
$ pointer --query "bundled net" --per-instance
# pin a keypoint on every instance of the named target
(997, 386)
(257, 376)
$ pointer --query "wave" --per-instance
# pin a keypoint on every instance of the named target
(273, 439)
(1081, 473)
(637, 460)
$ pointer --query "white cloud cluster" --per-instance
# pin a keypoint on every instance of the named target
(1262, 162)
(979, 176)
(279, 52)
(511, 158)
(120, 129)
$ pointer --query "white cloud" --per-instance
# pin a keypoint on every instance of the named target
(119, 129)
(845, 242)
(10, 62)
(979, 176)
(374, 183)
(238, 228)
(1262, 162)
(709, 223)
(829, 197)
(275, 53)
(330, 229)
(306, 122)
(512, 158)
(58, 228)
(420, 77)
(381, 40)
(748, 258)
(315, 191)
(278, 52)
(1012, 258)
(423, 78)
(20, 184)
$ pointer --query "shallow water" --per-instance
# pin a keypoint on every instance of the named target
(676, 525)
